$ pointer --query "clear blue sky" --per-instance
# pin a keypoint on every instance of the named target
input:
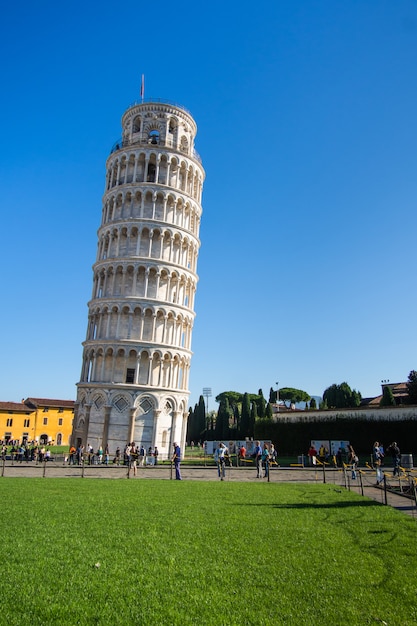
(307, 127)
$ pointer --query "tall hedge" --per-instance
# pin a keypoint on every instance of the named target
(293, 438)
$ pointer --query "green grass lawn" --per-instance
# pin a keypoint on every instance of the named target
(166, 552)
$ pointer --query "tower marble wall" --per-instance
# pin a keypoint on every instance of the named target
(137, 353)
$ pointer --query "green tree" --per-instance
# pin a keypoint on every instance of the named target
(341, 396)
(201, 418)
(245, 422)
(236, 418)
(313, 403)
(190, 425)
(261, 402)
(253, 417)
(412, 387)
(224, 413)
(292, 396)
(387, 397)
(234, 397)
(268, 411)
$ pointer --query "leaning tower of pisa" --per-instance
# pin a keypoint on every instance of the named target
(137, 353)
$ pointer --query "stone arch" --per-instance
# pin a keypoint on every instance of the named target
(144, 364)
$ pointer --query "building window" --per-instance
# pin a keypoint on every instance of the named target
(59, 439)
(60, 421)
(7, 437)
(45, 421)
(60, 410)
(26, 423)
(45, 410)
(9, 422)
(130, 375)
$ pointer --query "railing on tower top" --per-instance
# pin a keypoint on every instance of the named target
(119, 144)
(158, 101)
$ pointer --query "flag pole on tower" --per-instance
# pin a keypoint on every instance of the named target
(142, 87)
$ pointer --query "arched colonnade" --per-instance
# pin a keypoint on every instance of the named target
(139, 281)
(157, 243)
(154, 167)
(153, 368)
(137, 323)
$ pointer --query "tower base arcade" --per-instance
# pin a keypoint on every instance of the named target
(114, 417)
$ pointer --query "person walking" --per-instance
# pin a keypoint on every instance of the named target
(266, 457)
(133, 458)
(176, 459)
(312, 455)
(352, 460)
(220, 458)
(258, 459)
(377, 460)
(394, 450)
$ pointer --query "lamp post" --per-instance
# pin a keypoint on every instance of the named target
(207, 395)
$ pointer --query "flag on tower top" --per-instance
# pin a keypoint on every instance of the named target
(142, 87)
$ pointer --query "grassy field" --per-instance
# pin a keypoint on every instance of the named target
(167, 553)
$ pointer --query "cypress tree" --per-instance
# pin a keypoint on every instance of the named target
(245, 421)
(387, 397)
(261, 408)
(268, 411)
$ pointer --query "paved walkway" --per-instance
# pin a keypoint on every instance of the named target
(209, 473)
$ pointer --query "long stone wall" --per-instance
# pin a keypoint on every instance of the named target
(390, 413)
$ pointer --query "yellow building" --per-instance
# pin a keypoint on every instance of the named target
(39, 420)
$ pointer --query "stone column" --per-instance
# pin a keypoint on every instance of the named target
(107, 411)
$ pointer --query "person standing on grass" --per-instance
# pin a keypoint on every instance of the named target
(117, 457)
(394, 450)
(155, 454)
(258, 459)
(220, 458)
(352, 460)
(176, 459)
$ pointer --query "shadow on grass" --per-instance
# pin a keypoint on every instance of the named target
(327, 505)
(317, 505)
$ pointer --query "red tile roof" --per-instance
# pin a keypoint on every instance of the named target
(47, 402)
(15, 406)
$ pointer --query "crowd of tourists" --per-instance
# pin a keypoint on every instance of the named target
(131, 452)
(350, 458)
(25, 452)
(264, 457)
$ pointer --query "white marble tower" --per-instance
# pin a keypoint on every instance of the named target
(136, 357)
